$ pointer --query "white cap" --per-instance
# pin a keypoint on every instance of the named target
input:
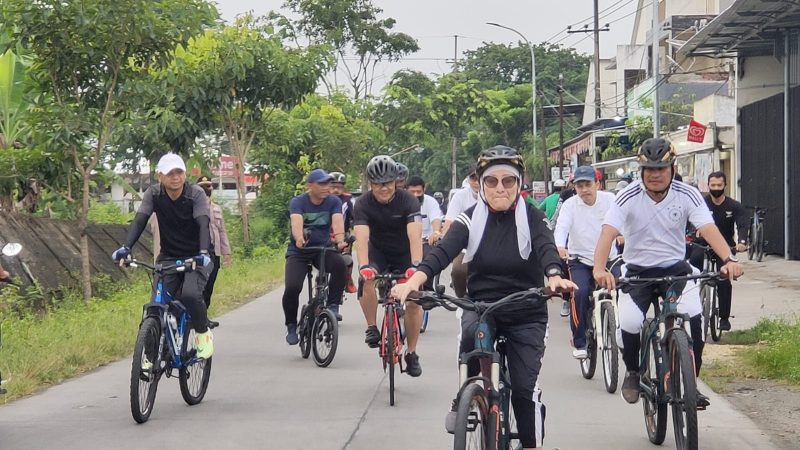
(169, 162)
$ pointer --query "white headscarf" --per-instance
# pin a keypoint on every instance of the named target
(481, 215)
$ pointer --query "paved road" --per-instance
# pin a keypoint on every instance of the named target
(263, 395)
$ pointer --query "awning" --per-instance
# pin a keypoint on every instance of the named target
(746, 28)
(578, 146)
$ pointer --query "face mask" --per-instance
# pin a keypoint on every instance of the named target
(717, 193)
(208, 192)
(421, 199)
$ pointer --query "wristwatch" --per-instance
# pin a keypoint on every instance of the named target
(554, 271)
(730, 258)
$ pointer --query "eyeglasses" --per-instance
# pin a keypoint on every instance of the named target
(508, 182)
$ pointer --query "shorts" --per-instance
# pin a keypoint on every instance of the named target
(388, 262)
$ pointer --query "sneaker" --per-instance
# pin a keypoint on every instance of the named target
(450, 419)
(373, 338)
(702, 401)
(291, 334)
(565, 309)
(204, 344)
(335, 310)
(580, 353)
(630, 387)
(412, 365)
(212, 324)
(350, 287)
(724, 325)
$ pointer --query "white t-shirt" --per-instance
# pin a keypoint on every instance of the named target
(655, 233)
(581, 224)
(430, 211)
(462, 200)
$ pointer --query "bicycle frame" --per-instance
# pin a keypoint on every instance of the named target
(391, 312)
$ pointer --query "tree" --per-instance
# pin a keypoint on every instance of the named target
(85, 53)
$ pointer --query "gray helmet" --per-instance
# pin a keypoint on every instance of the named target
(338, 177)
(402, 171)
(656, 152)
(381, 169)
(438, 195)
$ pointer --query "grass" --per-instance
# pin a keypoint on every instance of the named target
(38, 351)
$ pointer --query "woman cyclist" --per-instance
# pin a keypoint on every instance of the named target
(509, 249)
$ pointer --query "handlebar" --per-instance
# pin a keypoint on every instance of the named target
(179, 265)
(431, 299)
(636, 281)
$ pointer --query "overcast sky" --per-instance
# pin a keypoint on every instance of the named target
(434, 22)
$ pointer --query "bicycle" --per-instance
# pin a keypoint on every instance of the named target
(756, 238)
(603, 340)
(165, 343)
(10, 249)
(709, 295)
(484, 416)
(318, 324)
(666, 365)
(425, 314)
(392, 335)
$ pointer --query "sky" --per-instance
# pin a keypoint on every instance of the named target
(434, 22)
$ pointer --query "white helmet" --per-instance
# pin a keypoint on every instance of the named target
(559, 183)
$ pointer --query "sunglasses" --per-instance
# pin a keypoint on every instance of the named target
(508, 182)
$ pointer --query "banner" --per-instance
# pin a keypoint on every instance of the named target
(697, 132)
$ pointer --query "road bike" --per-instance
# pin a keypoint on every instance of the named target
(666, 367)
(756, 239)
(10, 249)
(165, 343)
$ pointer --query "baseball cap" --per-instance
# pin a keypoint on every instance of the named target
(204, 180)
(170, 162)
(585, 173)
(318, 176)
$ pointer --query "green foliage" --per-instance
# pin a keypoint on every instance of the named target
(108, 213)
(639, 128)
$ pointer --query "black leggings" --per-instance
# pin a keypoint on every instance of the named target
(212, 279)
(295, 274)
(188, 288)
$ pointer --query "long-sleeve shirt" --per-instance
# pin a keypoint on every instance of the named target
(579, 225)
(497, 269)
(726, 215)
(219, 235)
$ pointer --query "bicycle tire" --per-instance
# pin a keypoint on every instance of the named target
(510, 425)
(751, 250)
(683, 392)
(705, 299)
(389, 355)
(716, 332)
(610, 348)
(760, 240)
(325, 338)
(424, 325)
(472, 415)
(589, 364)
(304, 330)
(147, 342)
(655, 408)
(193, 376)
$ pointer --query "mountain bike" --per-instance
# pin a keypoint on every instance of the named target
(709, 295)
(756, 239)
(10, 249)
(484, 416)
(667, 365)
(165, 343)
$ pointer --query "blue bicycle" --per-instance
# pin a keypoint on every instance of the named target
(165, 343)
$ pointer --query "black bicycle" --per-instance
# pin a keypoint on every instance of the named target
(756, 239)
(709, 294)
(165, 343)
(484, 417)
(667, 365)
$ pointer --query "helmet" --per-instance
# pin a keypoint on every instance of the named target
(338, 177)
(381, 169)
(559, 183)
(656, 152)
(622, 185)
(402, 171)
(500, 154)
(438, 195)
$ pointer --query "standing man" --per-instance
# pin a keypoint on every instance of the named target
(727, 213)
(220, 246)
(338, 180)
(312, 215)
(388, 230)
(462, 200)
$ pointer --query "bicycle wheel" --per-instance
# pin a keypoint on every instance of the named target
(751, 250)
(705, 298)
(760, 241)
(510, 425)
(424, 322)
(610, 348)
(325, 338)
(194, 374)
(304, 331)
(389, 356)
(682, 392)
(472, 415)
(589, 364)
(716, 333)
(144, 369)
(655, 407)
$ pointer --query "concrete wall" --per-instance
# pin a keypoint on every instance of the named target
(608, 92)
(716, 108)
(759, 77)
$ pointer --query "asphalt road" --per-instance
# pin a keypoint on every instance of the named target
(263, 395)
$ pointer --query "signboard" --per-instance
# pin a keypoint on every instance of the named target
(227, 167)
(555, 176)
(538, 189)
(697, 132)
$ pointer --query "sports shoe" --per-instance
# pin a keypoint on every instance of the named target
(450, 418)
(335, 310)
(630, 387)
(291, 334)
(412, 365)
(350, 287)
(373, 338)
(212, 324)
(702, 401)
(565, 309)
(580, 353)
(204, 344)
(724, 325)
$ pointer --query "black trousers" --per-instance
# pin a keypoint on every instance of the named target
(724, 287)
(295, 274)
(212, 278)
(188, 287)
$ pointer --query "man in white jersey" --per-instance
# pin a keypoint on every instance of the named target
(464, 199)
(652, 214)
(580, 220)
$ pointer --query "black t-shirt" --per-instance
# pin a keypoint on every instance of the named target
(388, 222)
(177, 220)
(728, 214)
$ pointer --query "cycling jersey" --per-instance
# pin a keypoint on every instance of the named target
(388, 222)
(347, 211)
(549, 204)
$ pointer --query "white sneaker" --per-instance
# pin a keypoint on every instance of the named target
(580, 353)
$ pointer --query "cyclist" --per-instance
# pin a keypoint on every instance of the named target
(727, 213)
(402, 175)
(462, 200)
(652, 214)
(338, 180)
(312, 216)
(220, 245)
(580, 223)
(550, 202)
(439, 197)
(509, 249)
(182, 213)
(388, 230)
(431, 214)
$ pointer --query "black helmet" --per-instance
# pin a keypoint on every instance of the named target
(656, 152)
(381, 169)
(438, 195)
(402, 171)
(337, 177)
(500, 154)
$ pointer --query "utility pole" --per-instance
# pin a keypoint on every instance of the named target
(656, 32)
(561, 126)
(596, 30)
(453, 162)
(546, 154)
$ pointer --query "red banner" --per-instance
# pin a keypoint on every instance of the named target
(697, 132)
